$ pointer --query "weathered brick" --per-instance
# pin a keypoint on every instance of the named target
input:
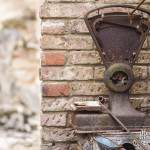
(92, 57)
(74, 10)
(71, 0)
(88, 88)
(53, 58)
(75, 147)
(149, 72)
(62, 10)
(62, 103)
(148, 40)
(63, 26)
(58, 135)
(149, 87)
(55, 146)
(77, 26)
(83, 57)
(67, 73)
(146, 44)
(54, 119)
(141, 103)
(99, 73)
(55, 89)
(54, 26)
(66, 42)
(140, 72)
(59, 146)
(139, 88)
(144, 57)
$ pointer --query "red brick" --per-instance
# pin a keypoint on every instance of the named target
(55, 89)
(53, 58)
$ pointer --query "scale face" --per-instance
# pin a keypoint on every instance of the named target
(119, 37)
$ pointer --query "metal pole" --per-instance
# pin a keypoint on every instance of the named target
(137, 7)
(123, 126)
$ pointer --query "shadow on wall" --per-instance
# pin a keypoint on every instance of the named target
(19, 82)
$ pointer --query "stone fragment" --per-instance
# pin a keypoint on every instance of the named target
(16, 121)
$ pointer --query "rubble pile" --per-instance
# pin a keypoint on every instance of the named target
(19, 65)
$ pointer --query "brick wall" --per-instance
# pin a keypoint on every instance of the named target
(73, 71)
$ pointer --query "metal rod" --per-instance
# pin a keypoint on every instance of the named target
(137, 7)
(113, 6)
(123, 126)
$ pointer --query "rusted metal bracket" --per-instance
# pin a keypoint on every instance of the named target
(119, 39)
(122, 125)
(125, 46)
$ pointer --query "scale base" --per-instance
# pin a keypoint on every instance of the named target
(97, 122)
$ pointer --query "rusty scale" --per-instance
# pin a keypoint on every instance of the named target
(119, 37)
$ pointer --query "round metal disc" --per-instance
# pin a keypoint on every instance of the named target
(119, 77)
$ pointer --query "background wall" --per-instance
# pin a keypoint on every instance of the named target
(19, 82)
(72, 69)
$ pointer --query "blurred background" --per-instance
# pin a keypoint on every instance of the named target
(19, 69)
